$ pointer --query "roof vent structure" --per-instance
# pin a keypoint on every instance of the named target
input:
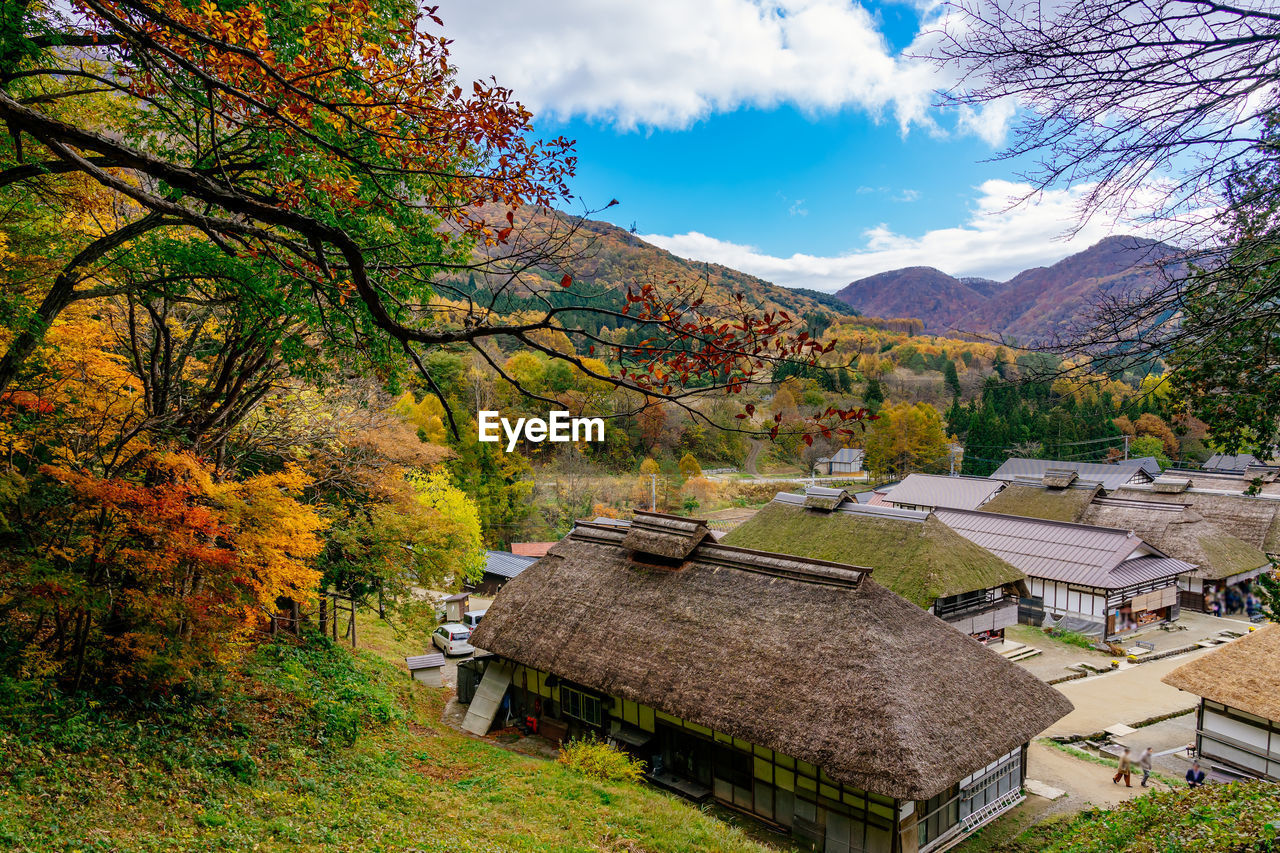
(1170, 485)
(820, 498)
(1059, 478)
(668, 537)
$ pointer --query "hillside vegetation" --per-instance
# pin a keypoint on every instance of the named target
(306, 747)
(1237, 818)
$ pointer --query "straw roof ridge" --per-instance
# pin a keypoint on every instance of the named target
(1242, 674)
(1253, 519)
(917, 557)
(883, 695)
(1037, 501)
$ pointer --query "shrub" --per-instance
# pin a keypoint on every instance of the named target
(1073, 638)
(593, 757)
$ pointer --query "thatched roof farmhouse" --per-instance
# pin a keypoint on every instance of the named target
(913, 554)
(799, 690)
(1238, 724)
(1169, 515)
(1096, 580)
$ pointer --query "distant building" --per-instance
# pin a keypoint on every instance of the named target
(912, 553)
(531, 549)
(1061, 474)
(1095, 580)
(1238, 721)
(1226, 463)
(929, 491)
(797, 690)
(500, 567)
(846, 460)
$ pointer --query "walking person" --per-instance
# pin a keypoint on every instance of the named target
(1126, 767)
(1144, 764)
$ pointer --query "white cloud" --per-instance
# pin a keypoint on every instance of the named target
(668, 63)
(997, 241)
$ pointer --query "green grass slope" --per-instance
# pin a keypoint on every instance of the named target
(1237, 818)
(306, 748)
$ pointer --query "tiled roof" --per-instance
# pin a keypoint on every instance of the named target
(1110, 476)
(505, 564)
(939, 491)
(1072, 553)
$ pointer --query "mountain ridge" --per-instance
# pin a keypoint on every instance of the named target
(1036, 305)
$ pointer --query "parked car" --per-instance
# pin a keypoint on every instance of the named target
(472, 618)
(453, 639)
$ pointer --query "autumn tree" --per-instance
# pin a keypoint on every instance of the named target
(907, 438)
(333, 145)
(689, 467)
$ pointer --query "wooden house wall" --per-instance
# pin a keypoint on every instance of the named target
(793, 793)
(1239, 739)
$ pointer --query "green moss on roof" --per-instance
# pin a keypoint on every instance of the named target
(1039, 502)
(1225, 555)
(920, 562)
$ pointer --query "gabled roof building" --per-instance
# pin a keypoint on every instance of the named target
(913, 554)
(846, 460)
(1163, 514)
(1095, 580)
(931, 491)
(1061, 474)
(797, 690)
(500, 567)
(1238, 721)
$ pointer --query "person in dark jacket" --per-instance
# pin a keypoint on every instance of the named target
(1195, 776)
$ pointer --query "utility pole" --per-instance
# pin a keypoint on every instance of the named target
(1126, 448)
(653, 492)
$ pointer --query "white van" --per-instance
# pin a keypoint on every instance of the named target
(472, 618)
(453, 639)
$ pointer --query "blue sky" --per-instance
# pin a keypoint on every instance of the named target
(798, 140)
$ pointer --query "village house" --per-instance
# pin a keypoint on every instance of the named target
(796, 690)
(1230, 463)
(1218, 559)
(500, 567)
(1094, 580)
(1238, 721)
(846, 460)
(929, 491)
(1063, 473)
(912, 553)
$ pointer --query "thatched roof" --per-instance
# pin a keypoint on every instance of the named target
(1036, 501)
(1255, 520)
(1181, 532)
(913, 554)
(812, 659)
(1244, 674)
(668, 536)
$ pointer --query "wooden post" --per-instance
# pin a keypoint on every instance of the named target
(335, 617)
(324, 612)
